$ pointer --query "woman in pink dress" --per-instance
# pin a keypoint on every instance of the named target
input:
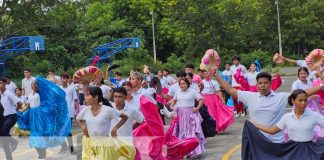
(222, 114)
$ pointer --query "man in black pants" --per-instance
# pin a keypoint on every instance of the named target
(10, 104)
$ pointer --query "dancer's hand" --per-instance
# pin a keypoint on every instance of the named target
(113, 133)
(195, 110)
(85, 131)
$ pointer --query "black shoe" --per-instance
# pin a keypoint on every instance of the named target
(71, 149)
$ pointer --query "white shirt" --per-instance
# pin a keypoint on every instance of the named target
(301, 63)
(11, 87)
(70, 97)
(169, 80)
(23, 99)
(210, 87)
(186, 98)
(194, 87)
(79, 87)
(227, 74)
(105, 90)
(251, 78)
(301, 130)
(126, 130)
(9, 102)
(26, 84)
(120, 83)
(173, 89)
(163, 83)
(33, 100)
(100, 124)
(300, 85)
(58, 80)
(266, 110)
(233, 69)
(145, 92)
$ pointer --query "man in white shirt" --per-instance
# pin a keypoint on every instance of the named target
(175, 87)
(10, 104)
(11, 86)
(239, 107)
(27, 81)
(266, 107)
(190, 68)
(119, 78)
(227, 76)
(57, 79)
(71, 99)
(168, 79)
(126, 130)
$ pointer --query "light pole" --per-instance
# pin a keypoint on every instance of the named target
(154, 49)
(279, 32)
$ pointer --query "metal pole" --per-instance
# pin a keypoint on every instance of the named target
(154, 48)
(279, 32)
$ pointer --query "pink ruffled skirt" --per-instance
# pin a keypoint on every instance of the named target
(222, 114)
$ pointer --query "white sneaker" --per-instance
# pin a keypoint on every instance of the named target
(242, 114)
(236, 115)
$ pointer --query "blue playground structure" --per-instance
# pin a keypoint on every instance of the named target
(15, 46)
(106, 51)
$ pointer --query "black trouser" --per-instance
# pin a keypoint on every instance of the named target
(81, 98)
(69, 138)
(161, 112)
(6, 139)
(226, 96)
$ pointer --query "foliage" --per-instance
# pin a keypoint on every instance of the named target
(184, 30)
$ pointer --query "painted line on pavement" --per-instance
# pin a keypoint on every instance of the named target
(229, 153)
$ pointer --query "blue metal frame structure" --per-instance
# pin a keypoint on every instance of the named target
(106, 51)
(17, 45)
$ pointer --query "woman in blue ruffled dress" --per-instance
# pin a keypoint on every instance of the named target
(46, 117)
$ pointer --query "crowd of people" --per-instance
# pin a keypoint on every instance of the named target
(204, 105)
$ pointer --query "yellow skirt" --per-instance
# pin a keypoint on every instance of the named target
(19, 132)
(102, 148)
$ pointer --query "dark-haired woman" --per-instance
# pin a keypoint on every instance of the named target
(300, 122)
(97, 125)
(313, 101)
(189, 125)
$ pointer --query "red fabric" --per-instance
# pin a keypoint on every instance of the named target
(239, 107)
(95, 60)
(149, 137)
(178, 149)
(276, 82)
(160, 99)
(222, 114)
